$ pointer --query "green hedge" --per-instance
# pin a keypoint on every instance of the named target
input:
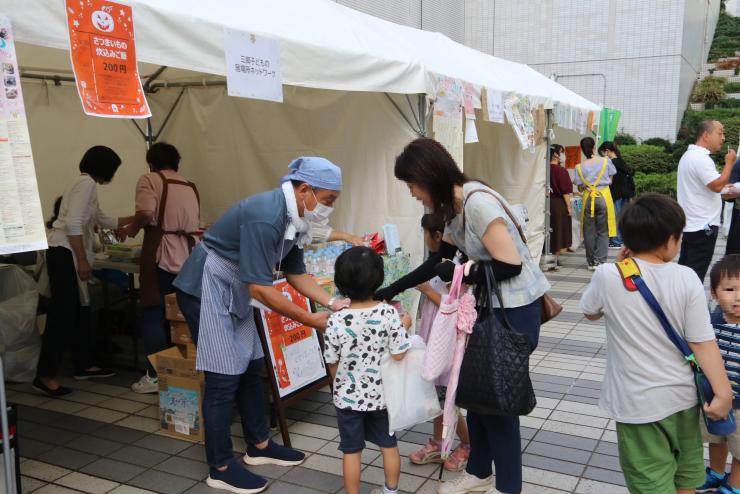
(658, 141)
(726, 37)
(622, 139)
(662, 183)
(732, 87)
(647, 159)
(725, 103)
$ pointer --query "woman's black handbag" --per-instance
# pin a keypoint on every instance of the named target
(494, 376)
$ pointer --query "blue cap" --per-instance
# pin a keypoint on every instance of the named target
(316, 172)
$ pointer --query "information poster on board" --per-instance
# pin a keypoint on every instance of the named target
(21, 218)
(295, 350)
(103, 51)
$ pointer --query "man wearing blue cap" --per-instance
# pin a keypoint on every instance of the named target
(232, 265)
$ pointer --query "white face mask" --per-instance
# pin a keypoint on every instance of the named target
(562, 159)
(318, 214)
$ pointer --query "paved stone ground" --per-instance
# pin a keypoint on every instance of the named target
(102, 439)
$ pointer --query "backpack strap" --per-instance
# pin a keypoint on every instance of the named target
(631, 276)
(628, 269)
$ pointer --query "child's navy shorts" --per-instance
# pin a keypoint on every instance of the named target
(357, 427)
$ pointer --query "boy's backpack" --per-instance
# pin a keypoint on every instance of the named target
(632, 279)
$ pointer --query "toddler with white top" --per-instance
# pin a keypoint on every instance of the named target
(356, 340)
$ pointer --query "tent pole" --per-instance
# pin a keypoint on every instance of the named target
(150, 79)
(548, 259)
(149, 133)
(423, 114)
(400, 112)
(413, 112)
(169, 113)
(138, 128)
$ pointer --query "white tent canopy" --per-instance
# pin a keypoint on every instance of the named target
(323, 45)
(336, 64)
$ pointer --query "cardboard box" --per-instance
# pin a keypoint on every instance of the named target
(171, 310)
(180, 333)
(180, 394)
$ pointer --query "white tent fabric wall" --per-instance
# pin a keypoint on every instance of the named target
(233, 147)
(519, 175)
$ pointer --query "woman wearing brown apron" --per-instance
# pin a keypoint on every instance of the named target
(168, 208)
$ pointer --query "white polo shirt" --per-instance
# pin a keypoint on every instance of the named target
(701, 205)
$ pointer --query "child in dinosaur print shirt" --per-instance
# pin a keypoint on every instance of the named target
(356, 339)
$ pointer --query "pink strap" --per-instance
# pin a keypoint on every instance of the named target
(457, 282)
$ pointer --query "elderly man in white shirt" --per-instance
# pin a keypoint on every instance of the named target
(699, 188)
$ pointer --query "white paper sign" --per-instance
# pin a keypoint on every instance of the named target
(471, 132)
(21, 219)
(495, 105)
(252, 66)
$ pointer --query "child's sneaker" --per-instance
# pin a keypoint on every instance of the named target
(430, 453)
(236, 479)
(725, 488)
(712, 482)
(458, 460)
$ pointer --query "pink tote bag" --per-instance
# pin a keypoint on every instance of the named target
(441, 341)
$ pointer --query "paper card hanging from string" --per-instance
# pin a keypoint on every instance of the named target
(468, 107)
(103, 51)
(493, 105)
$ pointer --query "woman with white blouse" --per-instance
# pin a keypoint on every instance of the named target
(69, 262)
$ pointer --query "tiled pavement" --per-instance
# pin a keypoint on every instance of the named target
(102, 439)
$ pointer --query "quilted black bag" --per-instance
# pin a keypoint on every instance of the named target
(494, 376)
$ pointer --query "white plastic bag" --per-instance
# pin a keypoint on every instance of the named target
(19, 337)
(409, 398)
(727, 218)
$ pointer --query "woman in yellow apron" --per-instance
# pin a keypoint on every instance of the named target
(598, 220)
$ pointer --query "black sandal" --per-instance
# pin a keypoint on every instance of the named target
(54, 393)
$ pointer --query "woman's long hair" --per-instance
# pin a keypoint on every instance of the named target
(425, 162)
(587, 146)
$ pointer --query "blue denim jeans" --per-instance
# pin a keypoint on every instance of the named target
(617, 209)
(497, 439)
(220, 392)
(154, 327)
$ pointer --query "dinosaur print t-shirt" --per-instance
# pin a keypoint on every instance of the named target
(357, 339)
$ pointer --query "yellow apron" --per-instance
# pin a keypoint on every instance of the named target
(594, 193)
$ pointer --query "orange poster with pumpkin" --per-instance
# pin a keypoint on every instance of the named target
(101, 40)
(295, 350)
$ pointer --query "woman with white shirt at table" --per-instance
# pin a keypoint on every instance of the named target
(69, 263)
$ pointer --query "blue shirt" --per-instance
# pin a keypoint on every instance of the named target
(727, 337)
(250, 234)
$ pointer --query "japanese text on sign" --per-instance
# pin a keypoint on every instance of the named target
(21, 219)
(101, 36)
(253, 66)
(294, 349)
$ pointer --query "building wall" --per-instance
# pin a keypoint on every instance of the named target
(646, 55)
(444, 16)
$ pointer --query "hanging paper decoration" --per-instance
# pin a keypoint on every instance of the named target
(519, 115)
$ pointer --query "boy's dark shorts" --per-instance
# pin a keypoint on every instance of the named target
(357, 427)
